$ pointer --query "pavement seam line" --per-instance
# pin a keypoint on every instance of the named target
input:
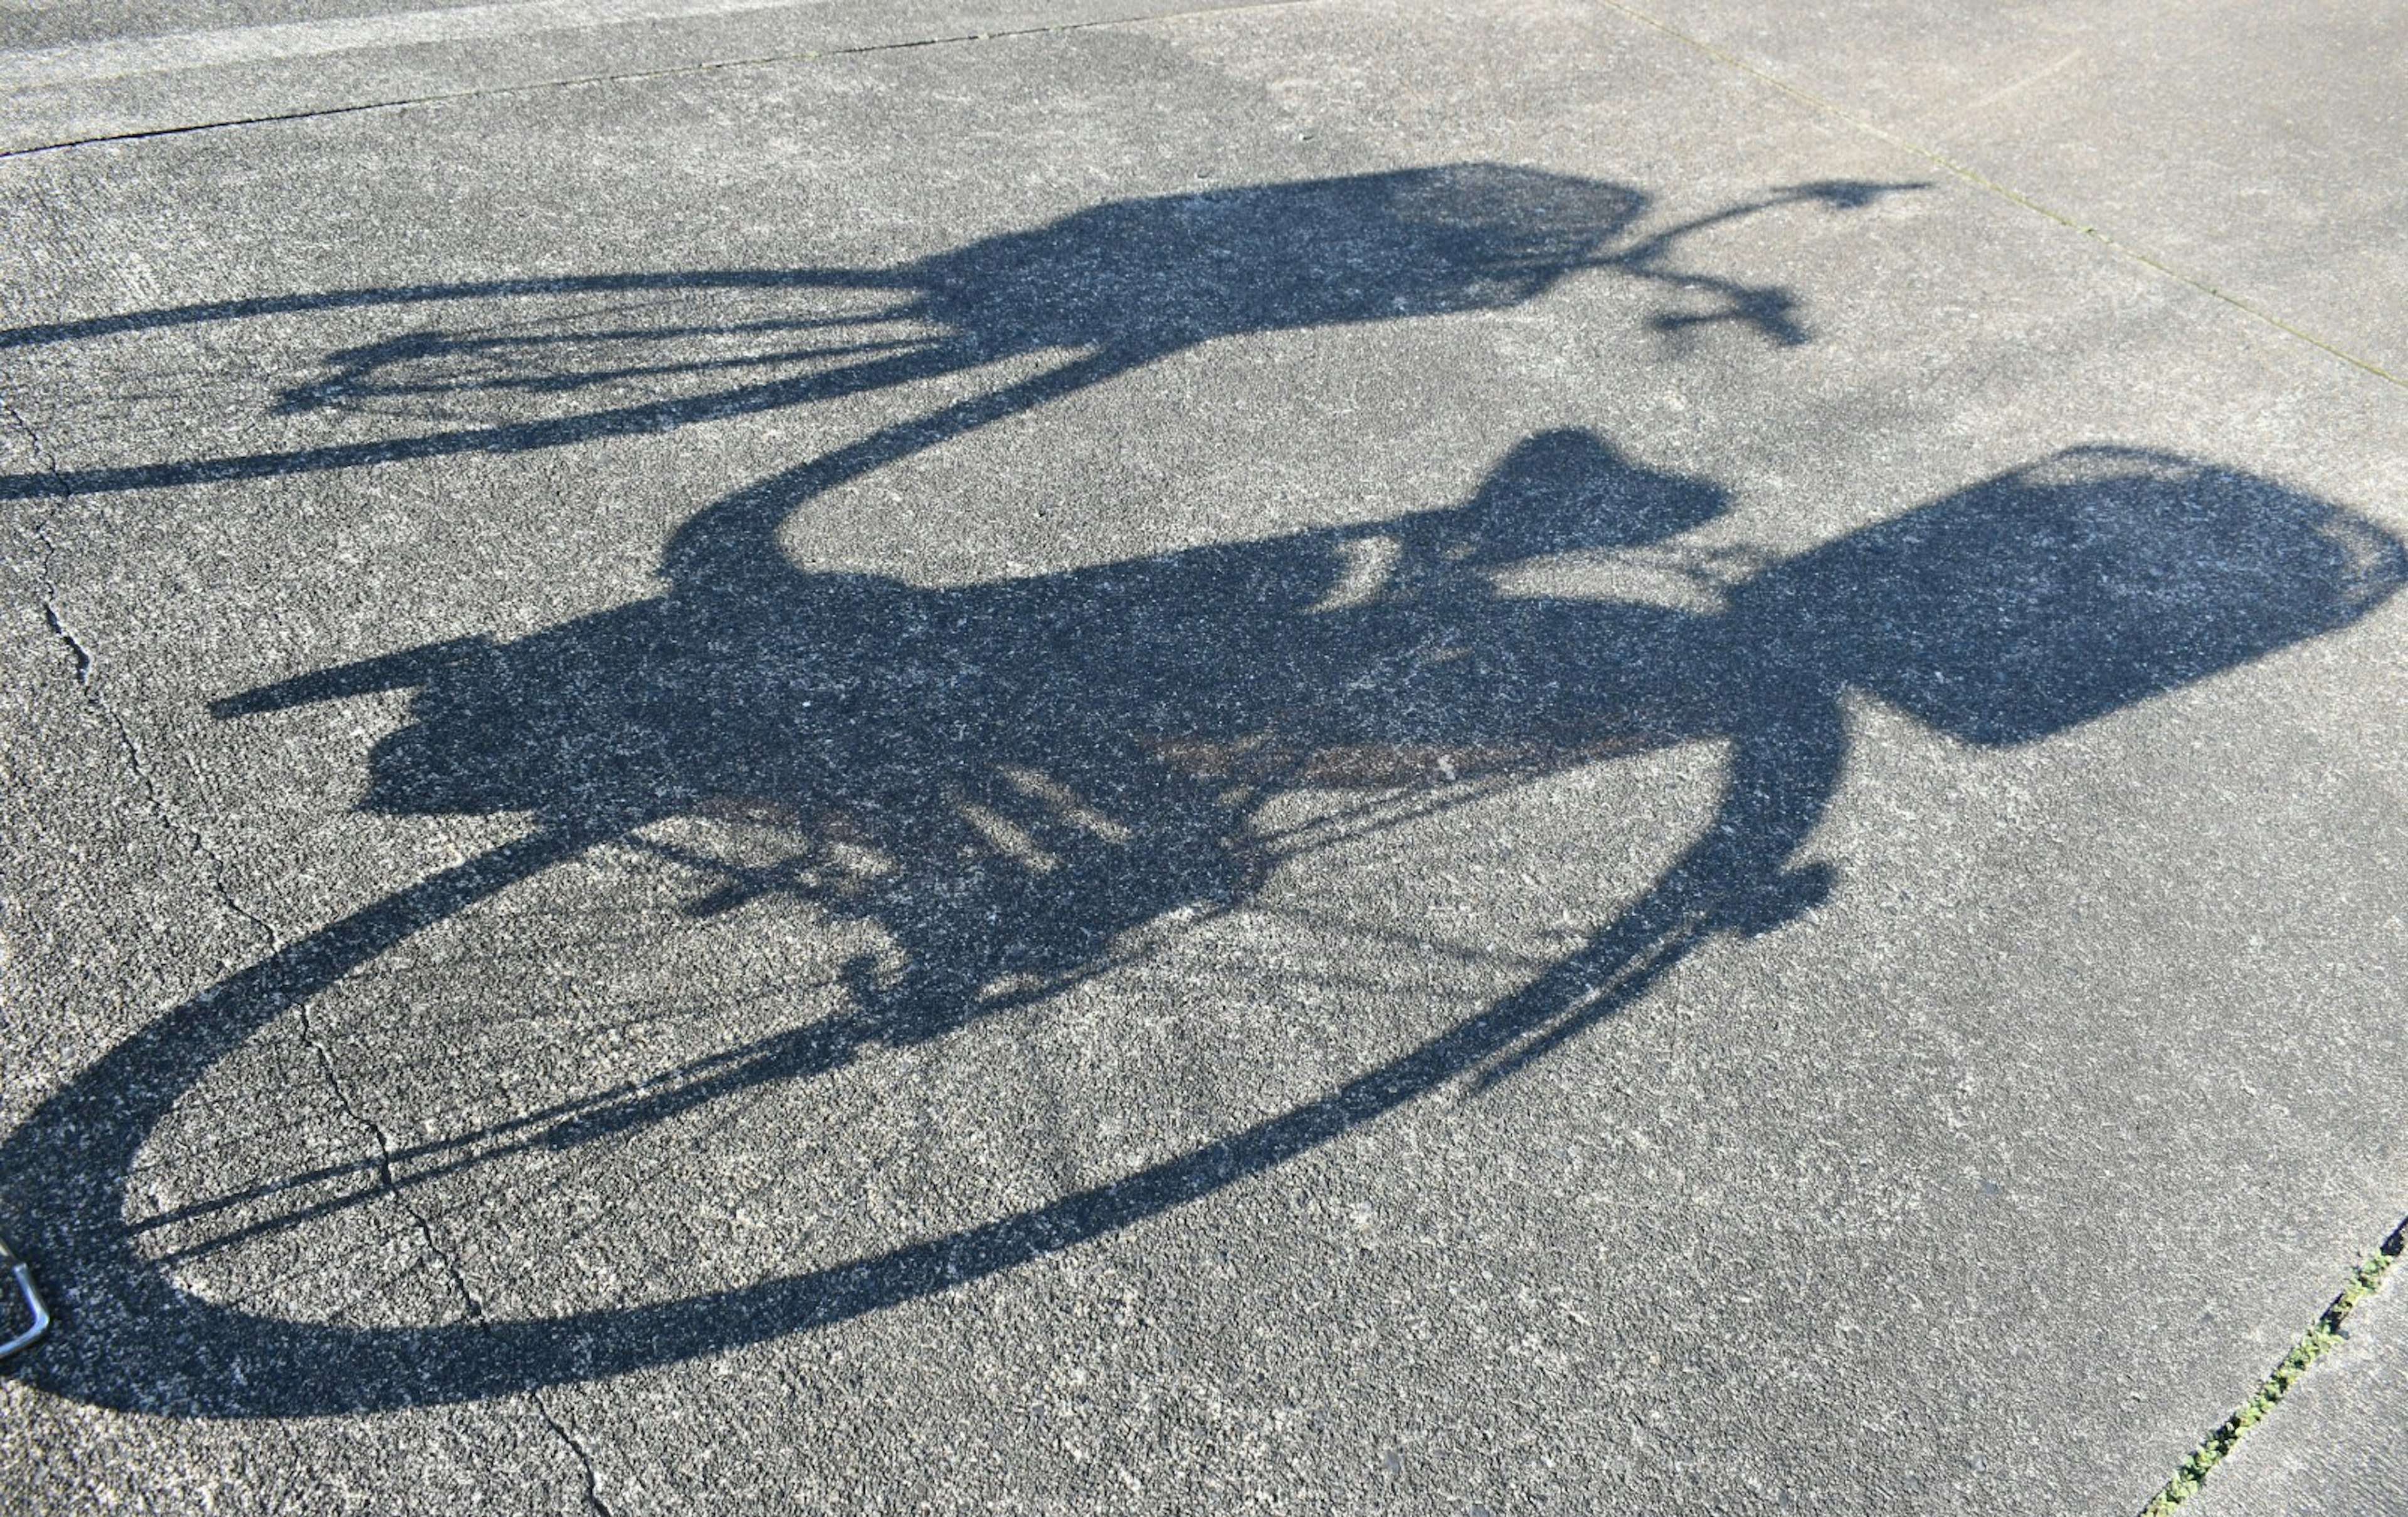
(2330, 1330)
(635, 75)
(1971, 176)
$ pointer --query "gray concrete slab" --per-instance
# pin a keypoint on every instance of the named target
(1316, 757)
(2334, 1443)
(2252, 147)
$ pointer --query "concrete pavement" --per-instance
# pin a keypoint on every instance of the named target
(1312, 756)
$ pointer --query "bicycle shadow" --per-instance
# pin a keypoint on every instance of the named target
(1033, 767)
(1120, 285)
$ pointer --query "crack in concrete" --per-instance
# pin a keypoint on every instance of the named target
(585, 1461)
(2327, 1332)
(87, 672)
(86, 667)
(1978, 179)
(472, 1306)
(634, 75)
(74, 645)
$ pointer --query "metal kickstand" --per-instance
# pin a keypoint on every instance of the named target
(39, 1314)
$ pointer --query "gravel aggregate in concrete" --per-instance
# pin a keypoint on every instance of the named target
(1318, 757)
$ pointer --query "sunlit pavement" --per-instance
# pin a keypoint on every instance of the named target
(1320, 757)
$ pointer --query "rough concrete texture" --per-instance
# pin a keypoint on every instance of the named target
(2244, 146)
(1322, 757)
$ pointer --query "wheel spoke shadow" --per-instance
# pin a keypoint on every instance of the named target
(1008, 780)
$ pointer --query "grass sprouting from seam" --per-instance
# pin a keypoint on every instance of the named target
(2328, 1331)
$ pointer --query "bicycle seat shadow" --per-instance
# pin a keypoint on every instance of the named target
(994, 785)
(1042, 762)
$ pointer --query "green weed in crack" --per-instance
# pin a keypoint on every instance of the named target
(2328, 1331)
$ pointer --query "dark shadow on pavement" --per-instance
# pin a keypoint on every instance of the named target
(1121, 284)
(1042, 765)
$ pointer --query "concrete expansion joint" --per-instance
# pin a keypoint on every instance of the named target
(709, 65)
(1979, 181)
(2330, 1330)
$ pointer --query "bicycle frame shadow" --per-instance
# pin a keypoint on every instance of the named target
(1120, 285)
(1077, 753)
